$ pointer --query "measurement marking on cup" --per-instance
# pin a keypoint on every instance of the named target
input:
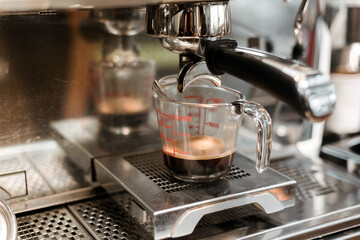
(198, 114)
(165, 119)
(211, 124)
(173, 133)
(215, 100)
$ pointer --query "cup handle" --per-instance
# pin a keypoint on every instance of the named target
(264, 130)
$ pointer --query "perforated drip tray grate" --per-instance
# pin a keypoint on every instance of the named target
(309, 185)
(58, 223)
(108, 220)
(169, 205)
(151, 165)
(320, 189)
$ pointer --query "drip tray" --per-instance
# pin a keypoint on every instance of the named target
(172, 208)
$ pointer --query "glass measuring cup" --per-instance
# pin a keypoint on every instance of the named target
(199, 127)
(122, 94)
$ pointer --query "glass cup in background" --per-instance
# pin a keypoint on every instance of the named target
(199, 128)
(122, 95)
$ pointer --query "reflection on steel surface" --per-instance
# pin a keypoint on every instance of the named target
(37, 185)
(48, 171)
(83, 140)
(8, 179)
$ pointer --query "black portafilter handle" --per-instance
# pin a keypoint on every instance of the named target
(307, 90)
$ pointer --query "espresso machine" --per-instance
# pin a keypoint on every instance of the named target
(342, 139)
(76, 162)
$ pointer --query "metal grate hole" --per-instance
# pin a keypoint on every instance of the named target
(108, 220)
(152, 165)
(308, 186)
(53, 224)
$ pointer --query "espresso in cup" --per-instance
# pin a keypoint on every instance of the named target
(122, 112)
(208, 156)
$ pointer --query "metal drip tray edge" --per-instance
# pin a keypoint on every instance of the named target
(175, 212)
(315, 227)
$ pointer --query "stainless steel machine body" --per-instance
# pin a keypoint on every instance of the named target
(191, 28)
(65, 178)
(342, 148)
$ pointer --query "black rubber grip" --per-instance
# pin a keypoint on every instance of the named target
(255, 71)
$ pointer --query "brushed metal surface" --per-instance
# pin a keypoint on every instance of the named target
(83, 140)
(50, 176)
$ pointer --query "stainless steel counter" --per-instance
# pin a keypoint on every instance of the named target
(60, 195)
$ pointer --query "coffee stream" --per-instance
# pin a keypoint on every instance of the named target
(198, 156)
